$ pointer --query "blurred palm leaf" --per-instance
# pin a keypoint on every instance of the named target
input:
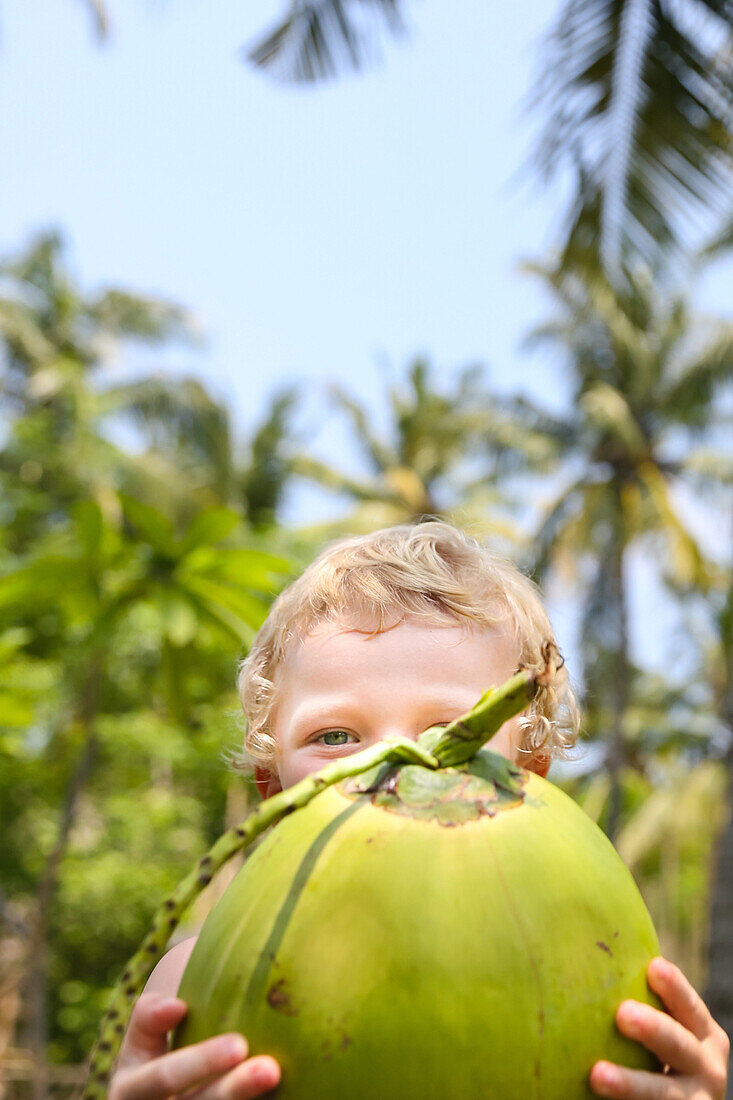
(262, 478)
(720, 243)
(678, 808)
(637, 94)
(318, 39)
(183, 424)
(440, 455)
(54, 339)
(100, 17)
(644, 369)
(47, 318)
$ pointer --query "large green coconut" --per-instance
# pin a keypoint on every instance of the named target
(425, 921)
(412, 934)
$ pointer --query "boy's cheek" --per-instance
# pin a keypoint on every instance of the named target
(298, 764)
(290, 768)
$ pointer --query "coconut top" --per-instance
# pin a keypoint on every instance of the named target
(486, 785)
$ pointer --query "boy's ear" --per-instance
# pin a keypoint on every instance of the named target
(539, 764)
(267, 782)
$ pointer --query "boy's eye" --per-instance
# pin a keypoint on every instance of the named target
(336, 737)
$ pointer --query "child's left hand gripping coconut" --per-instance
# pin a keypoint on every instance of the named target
(431, 921)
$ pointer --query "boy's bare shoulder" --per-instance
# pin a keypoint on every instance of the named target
(167, 975)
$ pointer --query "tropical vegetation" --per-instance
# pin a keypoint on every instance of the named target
(142, 540)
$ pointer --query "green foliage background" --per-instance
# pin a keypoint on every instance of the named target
(133, 576)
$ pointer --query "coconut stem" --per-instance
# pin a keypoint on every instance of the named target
(458, 742)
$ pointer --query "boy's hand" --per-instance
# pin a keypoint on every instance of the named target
(218, 1069)
(692, 1047)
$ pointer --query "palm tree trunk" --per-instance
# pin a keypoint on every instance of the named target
(37, 976)
(719, 992)
(616, 757)
(13, 955)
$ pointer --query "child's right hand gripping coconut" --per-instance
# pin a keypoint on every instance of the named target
(217, 1069)
(336, 669)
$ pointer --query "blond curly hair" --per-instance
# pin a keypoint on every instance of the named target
(431, 571)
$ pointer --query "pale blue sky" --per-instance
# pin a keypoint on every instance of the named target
(318, 233)
(312, 230)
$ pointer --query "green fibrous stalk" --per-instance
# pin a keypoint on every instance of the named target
(458, 742)
(439, 747)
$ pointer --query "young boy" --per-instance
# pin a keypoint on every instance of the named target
(387, 635)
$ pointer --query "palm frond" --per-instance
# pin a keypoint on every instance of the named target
(607, 410)
(564, 529)
(320, 39)
(21, 332)
(687, 564)
(381, 457)
(721, 242)
(323, 474)
(100, 17)
(533, 418)
(689, 394)
(610, 331)
(514, 443)
(178, 418)
(38, 263)
(119, 313)
(262, 483)
(628, 96)
(639, 95)
(672, 811)
(707, 468)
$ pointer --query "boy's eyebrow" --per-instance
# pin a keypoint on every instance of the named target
(308, 713)
(348, 708)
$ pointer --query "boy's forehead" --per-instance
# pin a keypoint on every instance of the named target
(349, 638)
(351, 628)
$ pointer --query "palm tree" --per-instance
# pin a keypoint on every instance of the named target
(192, 439)
(637, 96)
(646, 374)
(54, 344)
(444, 453)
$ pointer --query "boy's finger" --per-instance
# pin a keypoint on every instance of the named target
(181, 1070)
(252, 1078)
(619, 1083)
(682, 1001)
(672, 1043)
(152, 1018)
